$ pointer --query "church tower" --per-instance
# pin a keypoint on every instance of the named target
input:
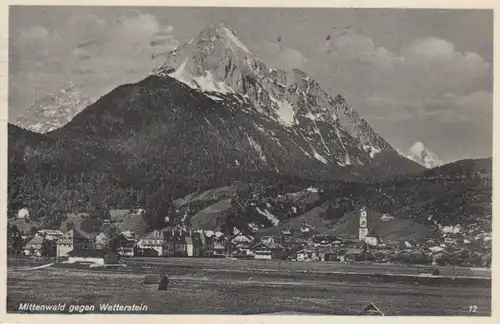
(363, 223)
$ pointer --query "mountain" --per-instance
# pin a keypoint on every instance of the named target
(416, 208)
(212, 115)
(323, 128)
(53, 110)
(423, 156)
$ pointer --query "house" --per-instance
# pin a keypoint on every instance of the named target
(207, 242)
(306, 255)
(175, 244)
(325, 240)
(441, 258)
(365, 256)
(124, 244)
(372, 238)
(327, 254)
(350, 254)
(286, 233)
(194, 244)
(294, 243)
(240, 244)
(34, 246)
(83, 240)
(64, 245)
(76, 239)
(267, 251)
(267, 239)
(153, 241)
(105, 238)
(219, 249)
(306, 229)
(320, 240)
(23, 213)
(50, 234)
(241, 239)
(99, 257)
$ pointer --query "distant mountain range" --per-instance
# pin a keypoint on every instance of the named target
(213, 115)
(54, 110)
(423, 156)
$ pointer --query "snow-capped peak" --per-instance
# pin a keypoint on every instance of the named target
(217, 63)
(423, 156)
(54, 110)
(230, 35)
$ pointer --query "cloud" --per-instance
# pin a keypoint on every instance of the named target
(33, 34)
(81, 54)
(466, 108)
(427, 87)
(426, 67)
(115, 52)
(278, 56)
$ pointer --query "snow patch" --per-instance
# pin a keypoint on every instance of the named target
(371, 150)
(253, 227)
(214, 97)
(273, 219)
(305, 152)
(204, 83)
(386, 218)
(208, 83)
(347, 159)
(312, 189)
(230, 35)
(285, 111)
(256, 146)
(319, 157)
(450, 229)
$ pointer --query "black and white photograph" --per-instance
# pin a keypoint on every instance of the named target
(249, 161)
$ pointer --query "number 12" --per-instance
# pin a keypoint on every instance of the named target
(473, 309)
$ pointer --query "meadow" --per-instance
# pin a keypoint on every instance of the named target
(198, 287)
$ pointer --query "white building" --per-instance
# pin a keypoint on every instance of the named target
(363, 223)
(23, 213)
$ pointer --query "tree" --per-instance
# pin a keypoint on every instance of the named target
(49, 248)
(15, 241)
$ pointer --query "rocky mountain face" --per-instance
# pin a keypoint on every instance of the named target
(54, 110)
(423, 156)
(323, 128)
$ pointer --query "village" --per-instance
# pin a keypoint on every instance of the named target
(86, 239)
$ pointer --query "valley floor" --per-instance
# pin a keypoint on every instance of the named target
(238, 289)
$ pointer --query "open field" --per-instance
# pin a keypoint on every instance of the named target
(194, 290)
(289, 266)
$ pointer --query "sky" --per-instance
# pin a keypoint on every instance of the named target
(415, 75)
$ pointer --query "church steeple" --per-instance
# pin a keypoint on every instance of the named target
(363, 223)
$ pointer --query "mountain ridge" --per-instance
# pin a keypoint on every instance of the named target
(216, 61)
(54, 110)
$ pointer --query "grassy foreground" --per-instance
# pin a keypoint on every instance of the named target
(198, 291)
